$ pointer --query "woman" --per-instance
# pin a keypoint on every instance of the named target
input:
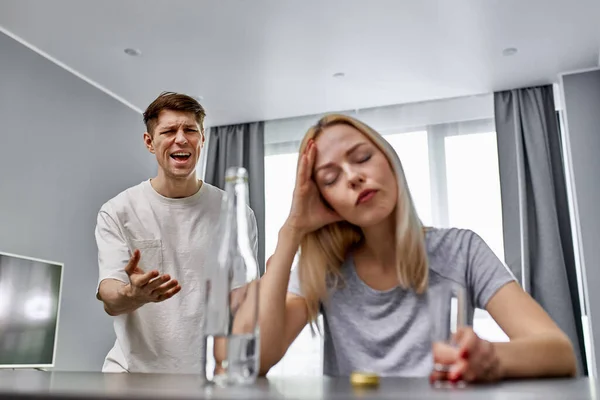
(365, 263)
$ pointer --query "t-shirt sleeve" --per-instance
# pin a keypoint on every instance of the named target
(294, 283)
(486, 274)
(113, 252)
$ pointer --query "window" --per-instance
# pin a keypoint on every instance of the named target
(474, 202)
(473, 196)
(304, 357)
(412, 149)
(452, 173)
(280, 170)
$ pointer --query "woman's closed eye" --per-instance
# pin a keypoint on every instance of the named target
(329, 179)
(364, 158)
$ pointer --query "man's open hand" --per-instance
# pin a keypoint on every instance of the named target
(148, 287)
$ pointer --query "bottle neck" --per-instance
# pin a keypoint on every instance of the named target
(232, 218)
(236, 211)
(237, 225)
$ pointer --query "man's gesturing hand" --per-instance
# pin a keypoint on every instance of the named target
(148, 287)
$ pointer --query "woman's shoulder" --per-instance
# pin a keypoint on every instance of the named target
(450, 248)
(448, 238)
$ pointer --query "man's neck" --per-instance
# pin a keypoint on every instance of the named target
(176, 188)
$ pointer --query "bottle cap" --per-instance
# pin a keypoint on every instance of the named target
(358, 378)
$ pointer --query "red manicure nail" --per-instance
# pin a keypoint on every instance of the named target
(465, 354)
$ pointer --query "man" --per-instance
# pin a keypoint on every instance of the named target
(155, 240)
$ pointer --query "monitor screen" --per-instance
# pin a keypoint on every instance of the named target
(29, 307)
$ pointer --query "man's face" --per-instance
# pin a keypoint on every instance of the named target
(176, 141)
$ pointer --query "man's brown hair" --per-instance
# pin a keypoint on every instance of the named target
(174, 102)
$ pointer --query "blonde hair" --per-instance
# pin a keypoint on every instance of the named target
(323, 251)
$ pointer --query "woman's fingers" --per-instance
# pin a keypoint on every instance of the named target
(306, 164)
(312, 153)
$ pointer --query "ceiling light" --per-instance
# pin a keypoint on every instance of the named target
(132, 52)
(509, 51)
(339, 75)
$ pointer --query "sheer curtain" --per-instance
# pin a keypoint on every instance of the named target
(449, 154)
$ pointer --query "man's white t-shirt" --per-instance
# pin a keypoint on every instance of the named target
(176, 237)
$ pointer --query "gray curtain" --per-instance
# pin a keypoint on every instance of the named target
(241, 145)
(537, 231)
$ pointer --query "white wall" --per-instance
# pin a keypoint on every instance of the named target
(66, 148)
(581, 97)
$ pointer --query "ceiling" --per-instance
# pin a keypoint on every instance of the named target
(267, 59)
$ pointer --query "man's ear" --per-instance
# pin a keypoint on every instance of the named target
(203, 138)
(148, 142)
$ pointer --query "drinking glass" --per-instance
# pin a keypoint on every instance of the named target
(447, 305)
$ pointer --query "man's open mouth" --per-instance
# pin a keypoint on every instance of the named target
(181, 156)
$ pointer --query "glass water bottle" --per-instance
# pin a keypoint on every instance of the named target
(231, 329)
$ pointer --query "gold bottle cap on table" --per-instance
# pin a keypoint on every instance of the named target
(364, 379)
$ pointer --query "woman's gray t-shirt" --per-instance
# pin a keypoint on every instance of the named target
(388, 332)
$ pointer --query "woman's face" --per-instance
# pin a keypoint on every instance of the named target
(354, 176)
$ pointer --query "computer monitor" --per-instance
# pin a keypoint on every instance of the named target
(30, 293)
